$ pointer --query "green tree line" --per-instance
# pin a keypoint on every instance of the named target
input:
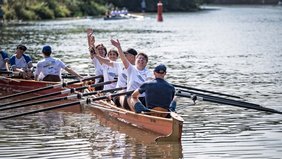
(51, 9)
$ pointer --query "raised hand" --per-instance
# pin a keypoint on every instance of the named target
(89, 32)
(115, 43)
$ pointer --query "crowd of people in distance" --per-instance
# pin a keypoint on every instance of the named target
(151, 90)
(115, 12)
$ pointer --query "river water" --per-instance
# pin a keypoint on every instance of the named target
(229, 49)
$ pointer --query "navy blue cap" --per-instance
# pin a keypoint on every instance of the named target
(47, 49)
(160, 68)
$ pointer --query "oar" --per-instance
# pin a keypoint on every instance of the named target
(6, 72)
(201, 90)
(229, 102)
(67, 91)
(74, 96)
(217, 98)
(60, 85)
(81, 102)
(67, 75)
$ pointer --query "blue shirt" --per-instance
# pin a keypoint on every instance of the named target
(158, 93)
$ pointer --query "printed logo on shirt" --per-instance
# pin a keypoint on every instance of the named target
(112, 74)
(140, 78)
(124, 75)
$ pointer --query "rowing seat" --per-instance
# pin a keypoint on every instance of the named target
(160, 109)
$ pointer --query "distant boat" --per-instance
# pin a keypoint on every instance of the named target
(123, 16)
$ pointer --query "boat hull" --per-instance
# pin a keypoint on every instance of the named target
(9, 86)
(168, 129)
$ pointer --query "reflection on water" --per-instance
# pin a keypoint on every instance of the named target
(234, 50)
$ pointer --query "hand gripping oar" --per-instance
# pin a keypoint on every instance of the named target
(229, 102)
(201, 90)
(67, 91)
(49, 87)
(74, 96)
(81, 102)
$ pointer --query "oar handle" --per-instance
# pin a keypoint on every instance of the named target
(103, 91)
(112, 95)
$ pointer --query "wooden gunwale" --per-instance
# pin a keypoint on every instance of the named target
(20, 85)
(168, 129)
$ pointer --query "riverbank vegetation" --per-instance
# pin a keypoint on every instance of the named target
(51, 9)
(41, 9)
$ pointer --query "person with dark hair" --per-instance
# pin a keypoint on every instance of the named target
(138, 73)
(21, 62)
(159, 94)
(101, 50)
(4, 60)
(49, 68)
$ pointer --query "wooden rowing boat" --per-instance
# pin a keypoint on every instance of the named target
(14, 85)
(167, 129)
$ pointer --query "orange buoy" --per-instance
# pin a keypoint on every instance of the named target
(160, 11)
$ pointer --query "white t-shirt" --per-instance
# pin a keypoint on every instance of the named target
(98, 68)
(122, 74)
(21, 62)
(109, 74)
(137, 77)
(49, 66)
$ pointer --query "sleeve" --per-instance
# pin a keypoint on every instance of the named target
(142, 88)
(12, 61)
(5, 56)
(61, 64)
(27, 58)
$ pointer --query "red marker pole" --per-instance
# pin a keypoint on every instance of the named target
(160, 11)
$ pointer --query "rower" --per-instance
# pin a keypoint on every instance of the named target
(21, 62)
(137, 74)
(4, 60)
(159, 94)
(49, 68)
(102, 50)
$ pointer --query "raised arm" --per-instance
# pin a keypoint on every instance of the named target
(103, 60)
(120, 52)
(71, 71)
(90, 37)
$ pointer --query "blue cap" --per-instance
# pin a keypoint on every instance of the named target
(160, 68)
(47, 49)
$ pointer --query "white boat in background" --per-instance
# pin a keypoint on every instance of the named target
(123, 16)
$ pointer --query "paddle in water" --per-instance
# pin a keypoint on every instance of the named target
(227, 102)
(206, 91)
